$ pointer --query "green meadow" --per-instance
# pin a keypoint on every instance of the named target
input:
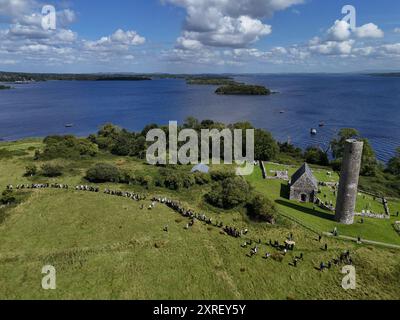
(106, 247)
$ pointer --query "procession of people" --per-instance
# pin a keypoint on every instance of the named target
(282, 248)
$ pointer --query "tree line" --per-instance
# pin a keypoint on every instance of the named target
(121, 142)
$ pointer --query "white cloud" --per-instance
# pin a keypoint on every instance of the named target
(126, 37)
(365, 52)
(11, 9)
(120, 40)
(65, 17)
(369, 30)
(340, 31)
(185, 42)
(333, 47)
(66, 35)
(222, 23)
(8, 62)
(26, 41)
(391, 49)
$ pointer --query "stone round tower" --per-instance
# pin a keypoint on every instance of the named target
(348, 185)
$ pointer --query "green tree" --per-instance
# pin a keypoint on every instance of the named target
(148, 128)
(191, 123)
(394, 164)
(317, 156)
(339, 142)
(123, 144)
(369, 166)
(265, 146)
(229, 193)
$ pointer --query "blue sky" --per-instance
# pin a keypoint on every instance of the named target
(194, 36)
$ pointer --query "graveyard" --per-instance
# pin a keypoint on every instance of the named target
(381, 230)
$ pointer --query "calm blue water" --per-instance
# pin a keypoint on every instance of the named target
(369, 104)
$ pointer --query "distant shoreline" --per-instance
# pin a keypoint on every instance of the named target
(9, 77)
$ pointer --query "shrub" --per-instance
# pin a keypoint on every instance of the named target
(31, 171)
(278, 257)
(126, 176)
(145, 181)
(173, 182)
(159, 182)
(188, 180)
(8, 154)
(229, 193)
(261, 209)
(202, 178)
(52, 170)
(66, 147)
(103, 172)
(7, 198)
(221, 175)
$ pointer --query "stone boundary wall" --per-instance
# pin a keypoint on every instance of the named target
(264, 172)
(373, 215)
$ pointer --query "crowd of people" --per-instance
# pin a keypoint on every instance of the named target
(95, 189)
(284, 248)
(126, 194)
(193, 216)
(344, 259)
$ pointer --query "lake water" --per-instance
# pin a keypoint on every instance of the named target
(369, 104)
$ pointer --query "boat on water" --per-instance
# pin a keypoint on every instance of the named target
(322, 124)
(313, 132)
(69, 125)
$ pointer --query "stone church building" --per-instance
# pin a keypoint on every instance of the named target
(303, 185)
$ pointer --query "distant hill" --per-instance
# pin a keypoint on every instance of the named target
(389, 74)
(28, 77)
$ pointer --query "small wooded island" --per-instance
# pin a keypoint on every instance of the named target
(4, 87)
(243, 89)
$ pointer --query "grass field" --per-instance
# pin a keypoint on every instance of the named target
(106, 247)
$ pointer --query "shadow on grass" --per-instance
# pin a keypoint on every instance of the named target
(315, 213)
